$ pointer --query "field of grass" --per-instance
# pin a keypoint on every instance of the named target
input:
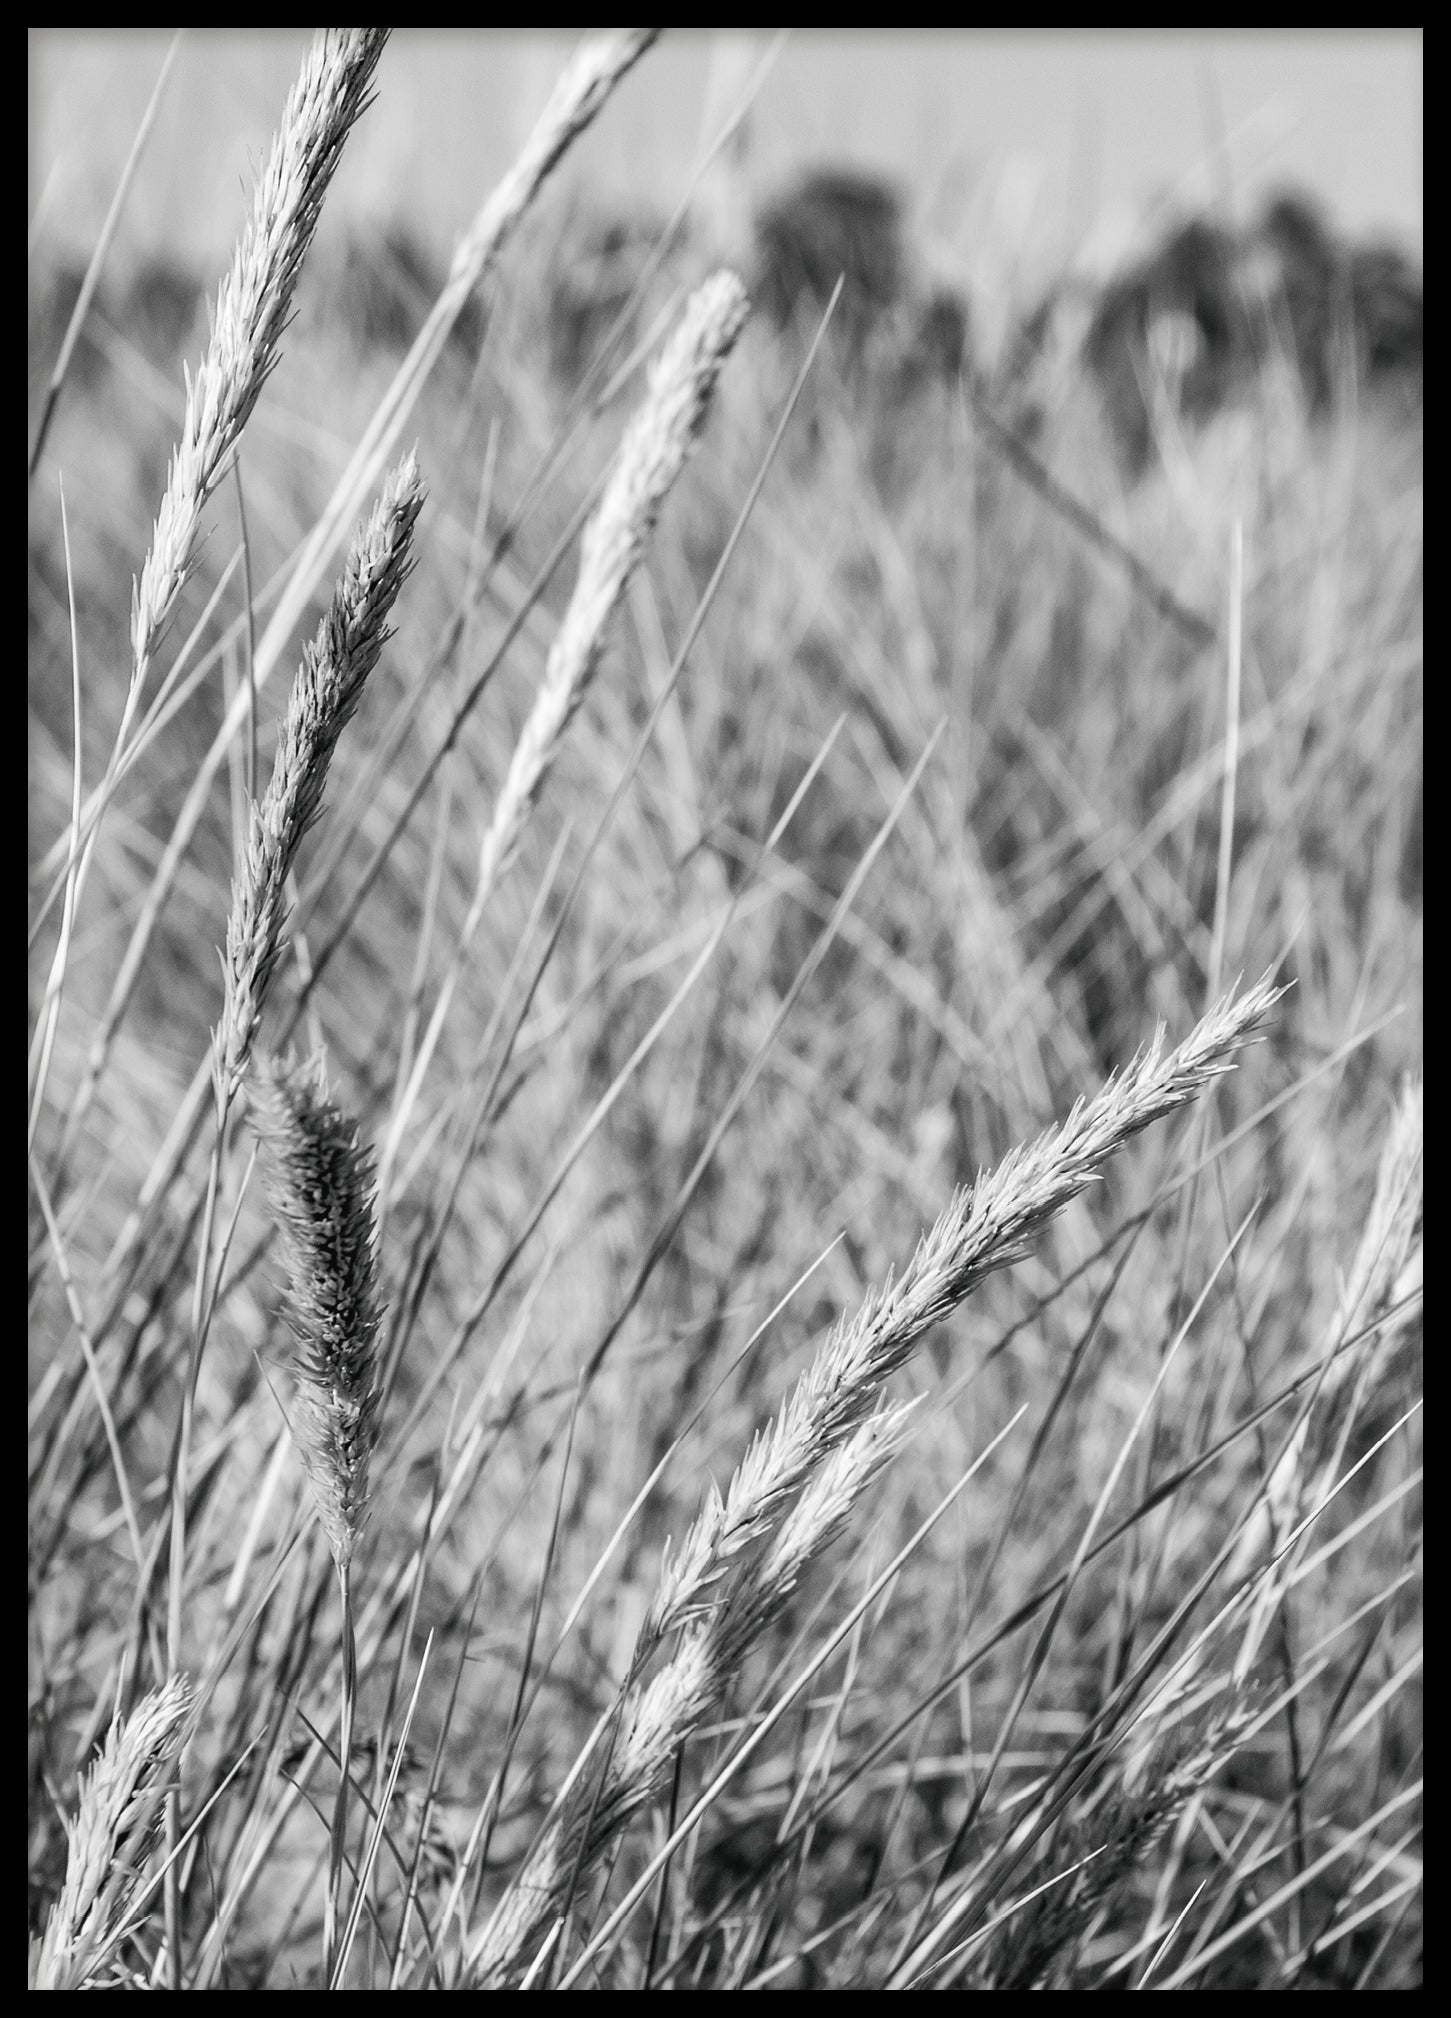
(797, 1451)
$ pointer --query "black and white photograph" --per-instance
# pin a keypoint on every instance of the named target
(725, 809)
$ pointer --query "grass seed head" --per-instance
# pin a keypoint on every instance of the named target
(319, 1182)
(254, 305)
(325, 695)
(112, 1835)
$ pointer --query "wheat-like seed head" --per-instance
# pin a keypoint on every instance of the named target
(988, 1225)
(319, 1182)
(587, 81)
(799, 1481)
(655, 448)
(111, 1836)
(254, 304)
(329, 684)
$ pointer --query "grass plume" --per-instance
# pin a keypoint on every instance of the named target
(254, 305)
(798, 1482)
(325, 695)
(319, 1185)
(115, 1828)
(656, 446)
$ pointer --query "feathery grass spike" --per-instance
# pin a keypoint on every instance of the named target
(329, 685)
(319, 1183)
(116, 1824)
(987, 1225)
(797, 1484)
(254, 304)
(651, 457)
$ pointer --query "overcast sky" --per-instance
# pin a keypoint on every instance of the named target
(1038, 144)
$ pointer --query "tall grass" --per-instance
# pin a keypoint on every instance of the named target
(864, 1431)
